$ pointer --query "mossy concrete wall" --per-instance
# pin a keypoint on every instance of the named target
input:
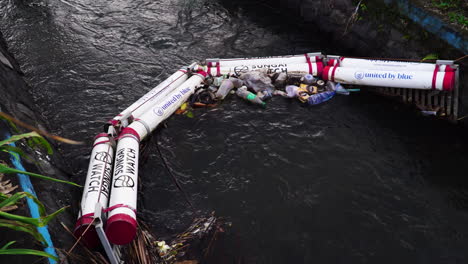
(383, 29)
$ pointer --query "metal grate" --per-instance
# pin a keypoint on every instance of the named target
(445, 102)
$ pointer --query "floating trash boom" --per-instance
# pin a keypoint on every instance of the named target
(112, 178)
(427, 80)
(121, 224)
(386, 64)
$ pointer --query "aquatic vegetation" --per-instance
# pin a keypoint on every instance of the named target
(9, 202)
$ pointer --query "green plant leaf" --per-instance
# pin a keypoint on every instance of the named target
(41, 142)
(7, 245)
(12, 125)
(47, 219)
(21, 251)
(19, 195)
(38, 139)
(5, 169)
(37, 222)
(18, 226)
(15, 151)
(189, 114)
(23, 219)
(431, 56)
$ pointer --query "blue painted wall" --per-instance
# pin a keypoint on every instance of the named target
(432, 24)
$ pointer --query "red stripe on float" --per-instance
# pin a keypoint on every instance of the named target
(121, 229)
(319, 68)
(333, 73)
(101, 135)
(449, 81)
(325, 73)
(90, 238)
(434, 77)
(310, 65)
(129, 131)
(449, 69)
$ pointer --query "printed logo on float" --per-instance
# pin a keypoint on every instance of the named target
(359, 75)
(158, 111)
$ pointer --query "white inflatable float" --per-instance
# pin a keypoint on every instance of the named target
(426, 80)
(314, 68)
(387, 65)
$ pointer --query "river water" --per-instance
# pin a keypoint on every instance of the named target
(358, 179)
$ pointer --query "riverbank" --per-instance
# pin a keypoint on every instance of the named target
(17, 101)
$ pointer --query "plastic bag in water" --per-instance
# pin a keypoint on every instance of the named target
(316, 99)
(257, 81)
(338, 88)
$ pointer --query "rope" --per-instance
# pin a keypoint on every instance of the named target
(461, 58)
(79, 239)
(174, 179)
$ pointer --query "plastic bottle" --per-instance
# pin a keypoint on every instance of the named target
(218, 80)
(280, 80)
(320, 98)
(308, 79)
(291, 91)
(280, 93)
(242, 92)
(266, 94)
(226, 86)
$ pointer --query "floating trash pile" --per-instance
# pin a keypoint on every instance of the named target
(259, 86)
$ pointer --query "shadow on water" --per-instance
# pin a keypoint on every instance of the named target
(359, 179)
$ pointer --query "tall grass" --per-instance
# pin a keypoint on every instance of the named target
(9, 201)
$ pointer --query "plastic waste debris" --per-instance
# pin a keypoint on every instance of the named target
(280, 93)
(428, 113)
(338, 88)
(319, 98)
(299, 92)
(312, 89)
(242, 92)
(280, 80)
(213, 89)
(266, 94)
(321, 85)
(291, 91)
(203, 98)
(257, 81)
(226, 86)
(218, 80)
(308, 79)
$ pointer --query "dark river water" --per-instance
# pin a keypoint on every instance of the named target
(358, 179)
